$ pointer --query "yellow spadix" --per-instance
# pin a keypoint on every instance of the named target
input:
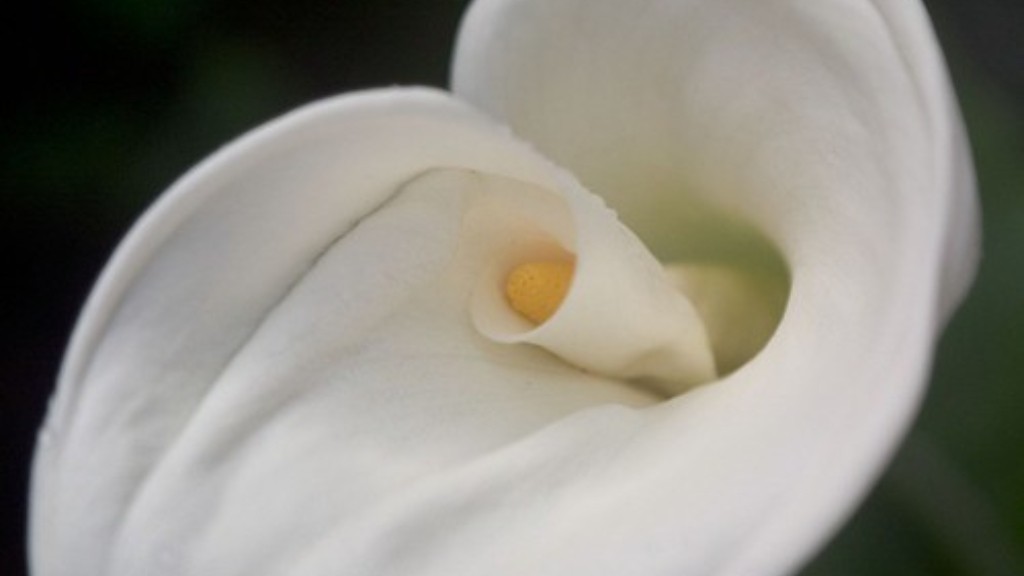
(536, 289)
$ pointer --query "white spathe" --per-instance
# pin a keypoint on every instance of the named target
(294, 363)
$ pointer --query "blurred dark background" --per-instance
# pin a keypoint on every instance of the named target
(110, 100)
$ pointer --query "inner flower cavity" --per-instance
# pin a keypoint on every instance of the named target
(558, 270)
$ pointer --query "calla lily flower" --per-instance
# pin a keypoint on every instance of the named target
(654, 291)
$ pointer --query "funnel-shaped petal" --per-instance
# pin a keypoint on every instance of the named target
(303, 359)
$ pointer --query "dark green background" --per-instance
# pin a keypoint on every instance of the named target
(112, 99)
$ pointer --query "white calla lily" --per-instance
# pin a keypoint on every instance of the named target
(302, 359)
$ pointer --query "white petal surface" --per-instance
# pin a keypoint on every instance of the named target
(829, 129)
(280, 370)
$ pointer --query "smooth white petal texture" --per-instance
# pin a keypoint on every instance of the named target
(830, 128)
(302, 353)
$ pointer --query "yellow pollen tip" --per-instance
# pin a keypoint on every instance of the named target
(536, 289)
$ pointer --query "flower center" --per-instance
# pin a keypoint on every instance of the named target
(536, 289)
